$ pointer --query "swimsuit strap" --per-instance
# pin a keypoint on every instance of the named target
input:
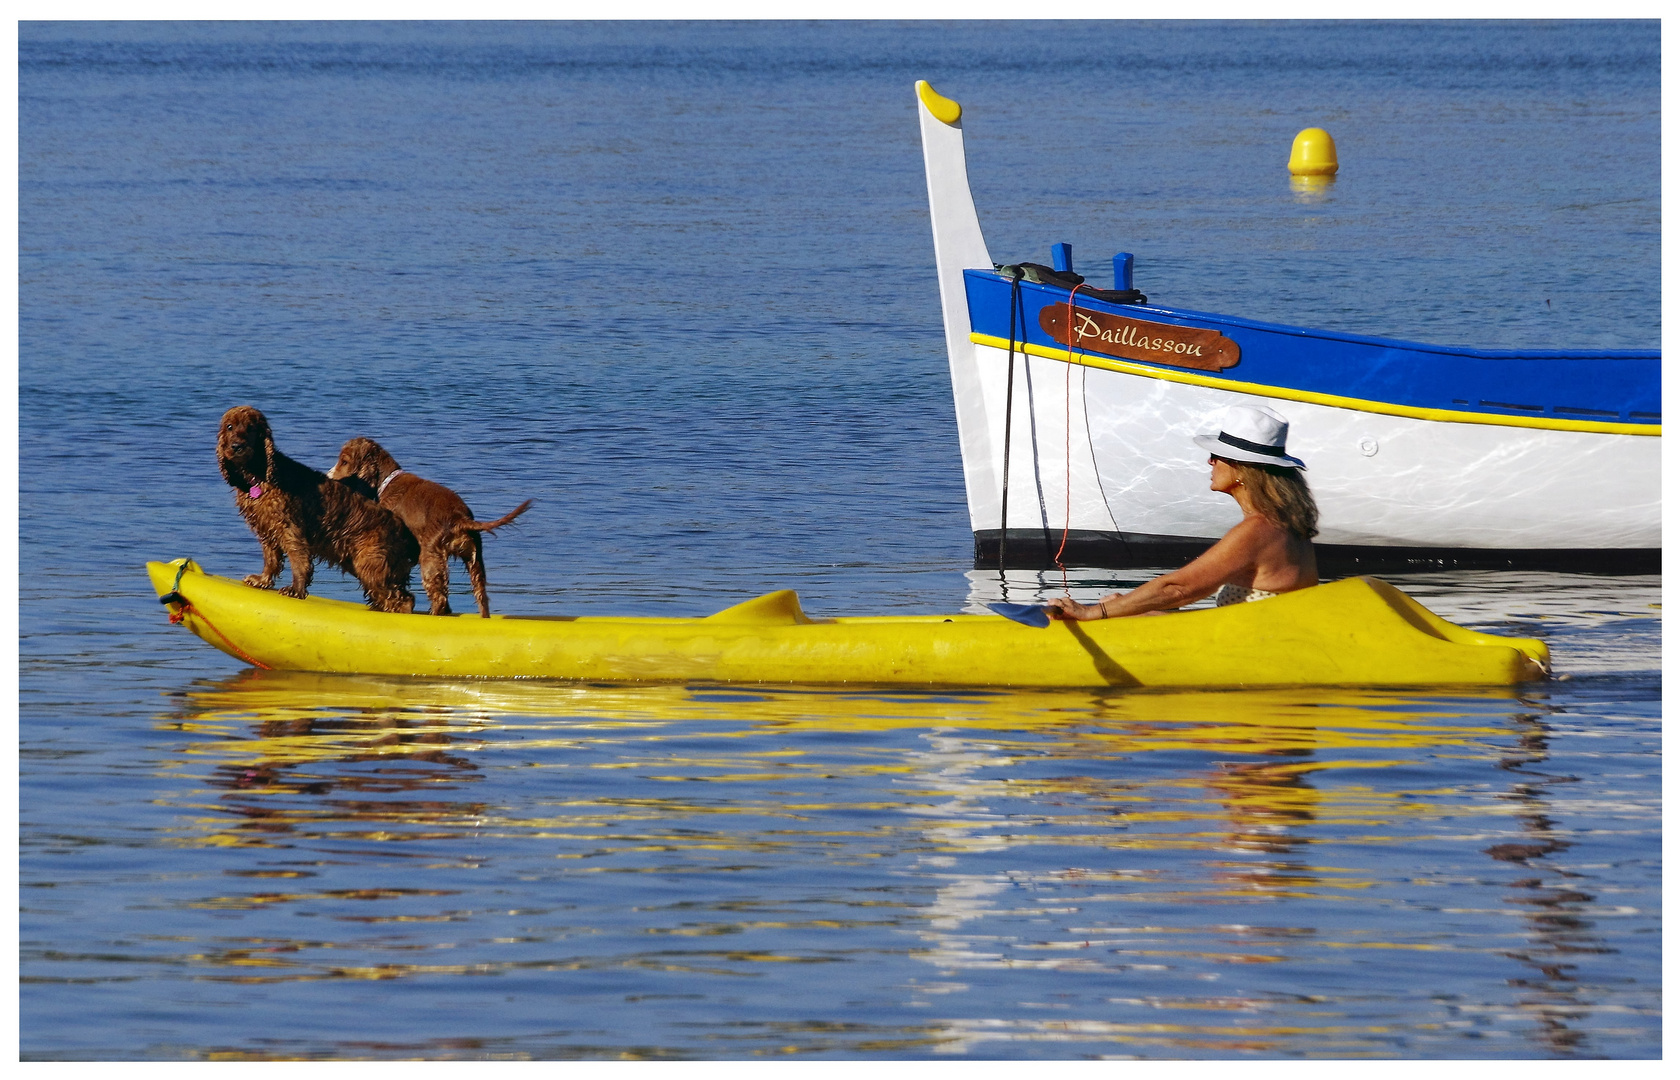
(1237, 594)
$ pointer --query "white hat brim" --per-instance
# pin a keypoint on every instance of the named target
(1236, 453)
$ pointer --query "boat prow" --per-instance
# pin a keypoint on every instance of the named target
(1421, 455)
(1356, 632)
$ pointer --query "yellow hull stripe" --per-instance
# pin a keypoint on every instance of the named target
(1449, 416)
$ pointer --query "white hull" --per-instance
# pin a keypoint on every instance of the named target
(1385, 481)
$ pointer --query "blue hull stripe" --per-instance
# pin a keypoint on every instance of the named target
(1569, 389)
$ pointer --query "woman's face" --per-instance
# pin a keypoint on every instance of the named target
(1224, 477)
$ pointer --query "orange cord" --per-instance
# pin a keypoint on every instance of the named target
(178, 615)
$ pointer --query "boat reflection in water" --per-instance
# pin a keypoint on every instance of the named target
(1157, 874)
(1560, 933)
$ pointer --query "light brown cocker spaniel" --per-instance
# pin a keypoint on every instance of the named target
(438, 518)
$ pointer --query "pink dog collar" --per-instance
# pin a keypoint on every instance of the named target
(256, 491)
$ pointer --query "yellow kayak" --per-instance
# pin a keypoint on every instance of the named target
(1355, 632)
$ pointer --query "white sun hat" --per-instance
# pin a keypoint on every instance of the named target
(1253, 435)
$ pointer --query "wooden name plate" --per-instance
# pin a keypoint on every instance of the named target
(1138, 339)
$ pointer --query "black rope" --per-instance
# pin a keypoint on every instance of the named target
(173, 596)
(1008, 418)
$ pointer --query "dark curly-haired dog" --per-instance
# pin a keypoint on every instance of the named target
(437, 517)
(301, 515)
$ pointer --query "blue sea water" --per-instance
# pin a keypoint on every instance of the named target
(675, 283)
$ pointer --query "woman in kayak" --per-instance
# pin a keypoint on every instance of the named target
(1268, 552)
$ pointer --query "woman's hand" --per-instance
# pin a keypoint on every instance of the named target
(1064, 607)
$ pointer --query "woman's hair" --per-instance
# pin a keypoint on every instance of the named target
(1281, 494)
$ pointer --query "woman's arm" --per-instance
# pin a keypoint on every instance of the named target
(1229, 557)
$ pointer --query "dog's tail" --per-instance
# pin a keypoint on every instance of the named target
(492, 526)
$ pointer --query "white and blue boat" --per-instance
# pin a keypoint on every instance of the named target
(1076, 405)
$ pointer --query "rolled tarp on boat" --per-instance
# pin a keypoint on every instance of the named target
(1355, 632)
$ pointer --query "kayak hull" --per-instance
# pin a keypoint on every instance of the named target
(1360, 631)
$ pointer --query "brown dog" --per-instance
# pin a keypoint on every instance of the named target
(437, 517)
(301, 515)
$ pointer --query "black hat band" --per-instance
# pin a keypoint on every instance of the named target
(1251, 447)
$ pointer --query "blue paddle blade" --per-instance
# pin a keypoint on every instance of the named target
(1025, 614)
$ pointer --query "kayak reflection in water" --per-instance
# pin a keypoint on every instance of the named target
(1268, 552)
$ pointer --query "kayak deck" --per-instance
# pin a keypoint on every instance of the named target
(1359, 631)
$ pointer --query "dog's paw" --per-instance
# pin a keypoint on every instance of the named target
(296, 592)
(258, 581)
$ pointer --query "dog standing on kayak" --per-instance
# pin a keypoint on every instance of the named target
(300, 514)
(438, 518)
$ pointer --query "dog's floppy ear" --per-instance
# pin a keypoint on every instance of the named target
(268, 452)
(382, 459)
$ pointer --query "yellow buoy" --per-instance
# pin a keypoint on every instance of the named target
(1314, 154)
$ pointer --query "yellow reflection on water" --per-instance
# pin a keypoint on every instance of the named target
(379, 761)
(1196, 806)
(1311, 190)
(351, 764)
(302, 706)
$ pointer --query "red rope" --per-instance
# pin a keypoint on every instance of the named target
(177, 615)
